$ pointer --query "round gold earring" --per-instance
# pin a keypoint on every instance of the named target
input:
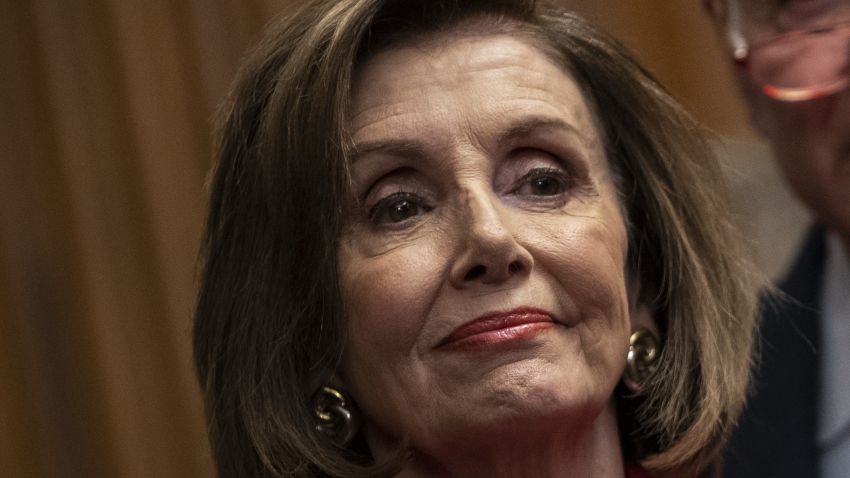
(334, 415)
(642, 359)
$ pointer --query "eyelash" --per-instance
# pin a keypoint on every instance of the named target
(545, 172)
(382, 206)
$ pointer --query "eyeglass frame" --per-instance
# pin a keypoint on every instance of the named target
(741, 47)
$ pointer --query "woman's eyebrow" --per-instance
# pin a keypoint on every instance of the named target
(530, 125)
(394, 147)
(415, 149)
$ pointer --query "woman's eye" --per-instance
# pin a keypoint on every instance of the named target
(543, 182)
(397, 208)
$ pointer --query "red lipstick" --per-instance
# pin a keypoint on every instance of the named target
(500, 328)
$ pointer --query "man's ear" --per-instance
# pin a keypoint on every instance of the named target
(760, 117)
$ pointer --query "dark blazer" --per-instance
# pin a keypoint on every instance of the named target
(776, 436)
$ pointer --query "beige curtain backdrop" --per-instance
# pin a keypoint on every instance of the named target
(106, 114)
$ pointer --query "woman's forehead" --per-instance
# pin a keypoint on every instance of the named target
(439, 50)
(486, 76)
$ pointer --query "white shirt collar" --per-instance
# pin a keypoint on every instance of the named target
(835, 344)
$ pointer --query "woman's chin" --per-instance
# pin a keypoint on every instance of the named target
(516, 423)
(519, 400)
(523, 402)
(547, 375)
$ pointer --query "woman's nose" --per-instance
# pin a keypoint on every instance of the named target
(489, 252)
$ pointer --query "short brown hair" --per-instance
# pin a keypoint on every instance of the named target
(269, 321)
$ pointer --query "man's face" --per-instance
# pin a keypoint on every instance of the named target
(810, 139)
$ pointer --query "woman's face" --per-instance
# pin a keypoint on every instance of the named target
(483, 262)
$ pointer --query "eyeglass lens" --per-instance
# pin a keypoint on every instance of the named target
(817, 60)
(798, 49)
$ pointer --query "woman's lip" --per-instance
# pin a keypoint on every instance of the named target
(498, 327)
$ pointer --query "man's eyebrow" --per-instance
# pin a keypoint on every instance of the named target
(393, 147)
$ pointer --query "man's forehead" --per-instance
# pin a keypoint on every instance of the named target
(748, 9)
(789, 13)
(758, 9)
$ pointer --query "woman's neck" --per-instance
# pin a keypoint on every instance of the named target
(554, 450)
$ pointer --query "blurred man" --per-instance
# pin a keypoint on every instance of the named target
(792, 62)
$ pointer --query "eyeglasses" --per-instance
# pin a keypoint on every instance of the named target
(794, 50)
(798, 65)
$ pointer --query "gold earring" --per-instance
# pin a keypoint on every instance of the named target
(334, 415)
(642, 359)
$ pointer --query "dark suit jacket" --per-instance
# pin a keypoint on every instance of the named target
(776, 436)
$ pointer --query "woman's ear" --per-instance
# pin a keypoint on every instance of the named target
(317, 380)
(334, 412)
(641, 318)
(640, 313)
(644, 341)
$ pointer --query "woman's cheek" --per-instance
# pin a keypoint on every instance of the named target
(387, 297)
(586, 256)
